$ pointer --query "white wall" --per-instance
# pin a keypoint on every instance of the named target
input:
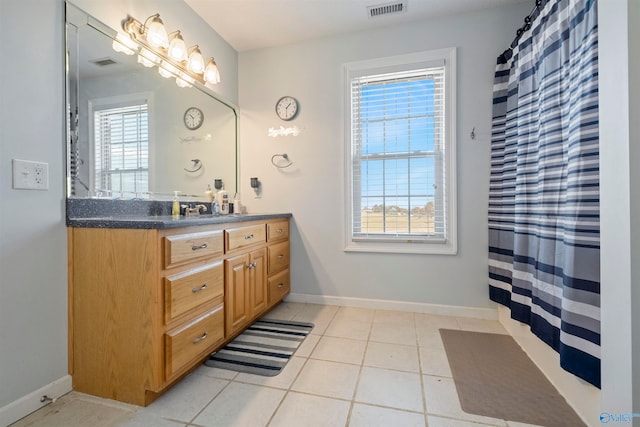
(312, 189)
(33, 278)
(619, 23)
(33, 262)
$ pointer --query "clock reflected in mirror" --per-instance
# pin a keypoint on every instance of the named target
(193, 118)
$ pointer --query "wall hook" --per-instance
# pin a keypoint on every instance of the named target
(473, 133)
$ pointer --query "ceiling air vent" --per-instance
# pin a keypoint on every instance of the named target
(103, 62)
(387, 9)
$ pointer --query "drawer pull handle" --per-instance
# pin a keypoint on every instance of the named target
(198, 289)
(280, 285)
(252, 265)
(201, 338)
(279, 230)
(248, 237)
(196, 247)
(280, 256)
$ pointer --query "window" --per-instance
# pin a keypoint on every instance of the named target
(400, 156)
(121, 148)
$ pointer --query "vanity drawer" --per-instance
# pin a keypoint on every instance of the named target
(191, 288)
(279, 285)
(185, 344)
(187, 247)
(241, 237)
(278, 256)
(277, 230)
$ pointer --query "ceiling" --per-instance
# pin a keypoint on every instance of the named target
(255, 24)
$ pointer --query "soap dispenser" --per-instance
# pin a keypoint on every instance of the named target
(223, 201)
(175, 207)
(209, 194)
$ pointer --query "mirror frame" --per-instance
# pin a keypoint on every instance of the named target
(111, 33)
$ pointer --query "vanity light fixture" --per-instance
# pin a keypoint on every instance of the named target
(167, 51)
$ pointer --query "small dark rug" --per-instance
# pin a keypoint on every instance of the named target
(494, 377)
(263, 349)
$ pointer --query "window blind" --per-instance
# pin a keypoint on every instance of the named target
(397, 153)
(122, 150)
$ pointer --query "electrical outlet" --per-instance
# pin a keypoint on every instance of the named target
(28, 175)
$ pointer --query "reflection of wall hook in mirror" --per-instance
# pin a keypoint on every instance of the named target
(281, 165)
(197, 165)
(472, 135)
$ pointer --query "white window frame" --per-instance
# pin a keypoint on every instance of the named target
(116, 101)
(419, 60)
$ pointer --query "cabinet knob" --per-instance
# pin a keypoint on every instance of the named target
(196, 247)
(280, 285)
(201, 338)
(279, 230)
(248, 237)
(280, 256)
(198, 289)
(251, 265)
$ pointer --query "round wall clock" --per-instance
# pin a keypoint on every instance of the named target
(287, 107)
(193, 118)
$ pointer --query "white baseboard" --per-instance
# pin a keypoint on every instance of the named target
(414, 307)
(31, 402)
(582, 396)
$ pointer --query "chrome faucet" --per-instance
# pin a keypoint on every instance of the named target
(193, 211)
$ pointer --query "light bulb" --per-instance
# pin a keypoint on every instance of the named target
(156, 33)
(124, 44)
(167, 70)
(195, 63)
(182, 83)
(147, 58)
(183, 80)
(177, 49)
(211, 72)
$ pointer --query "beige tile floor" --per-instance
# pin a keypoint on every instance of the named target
(359, 367)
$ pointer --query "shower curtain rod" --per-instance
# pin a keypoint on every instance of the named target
(527, 24)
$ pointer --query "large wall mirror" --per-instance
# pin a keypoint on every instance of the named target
(127, 126)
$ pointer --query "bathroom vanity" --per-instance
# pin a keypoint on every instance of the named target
(151, 297)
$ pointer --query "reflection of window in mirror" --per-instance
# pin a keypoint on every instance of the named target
(121, 146)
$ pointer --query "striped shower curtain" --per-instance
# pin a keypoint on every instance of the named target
(544, 250)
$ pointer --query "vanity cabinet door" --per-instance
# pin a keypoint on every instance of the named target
(246, 289)
(258, 280)
(236, 295)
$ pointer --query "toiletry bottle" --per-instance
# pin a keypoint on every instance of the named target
(223, 201)
(209, 194)
(236, 204)
(175, 208)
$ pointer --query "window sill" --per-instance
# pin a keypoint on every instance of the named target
(446, 247)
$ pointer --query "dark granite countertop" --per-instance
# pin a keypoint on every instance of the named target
(165, 221)
(96, 213)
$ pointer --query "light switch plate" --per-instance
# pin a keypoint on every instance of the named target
(29, 175)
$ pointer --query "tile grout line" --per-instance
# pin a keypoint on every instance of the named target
(288, 390)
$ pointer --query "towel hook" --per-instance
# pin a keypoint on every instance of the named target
(197, 165)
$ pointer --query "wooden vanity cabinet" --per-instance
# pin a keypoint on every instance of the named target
(147, 306)
(278, 254)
